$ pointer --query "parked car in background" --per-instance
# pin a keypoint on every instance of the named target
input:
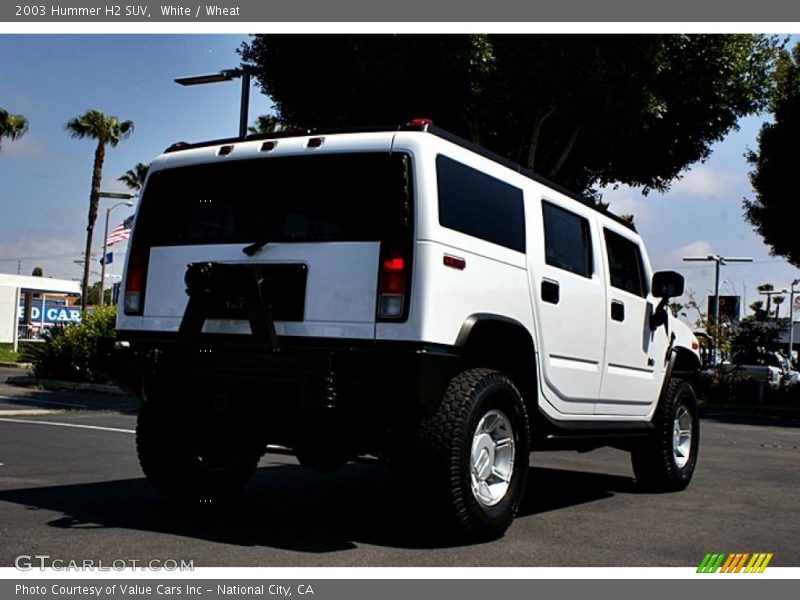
(790, 377)
(763, 367)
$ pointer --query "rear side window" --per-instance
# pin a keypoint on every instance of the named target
(567, 240)
(329, 197)
(479, 205)
(626, 269)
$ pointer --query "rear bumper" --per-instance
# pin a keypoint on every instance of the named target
(399, 377)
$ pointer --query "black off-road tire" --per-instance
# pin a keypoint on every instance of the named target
(448, 438)
(657, 464)
(191, 457)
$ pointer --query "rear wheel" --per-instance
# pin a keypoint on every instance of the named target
(196, 457)
(477, 450)
(666, 460)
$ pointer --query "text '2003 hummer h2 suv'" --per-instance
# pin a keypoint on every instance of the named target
(401, 294)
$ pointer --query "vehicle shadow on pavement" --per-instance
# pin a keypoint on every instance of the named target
(290, 508)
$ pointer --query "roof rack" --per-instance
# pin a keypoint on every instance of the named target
(425, 126)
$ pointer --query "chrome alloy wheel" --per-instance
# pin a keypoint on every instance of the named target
(492, 458)
(682, 437)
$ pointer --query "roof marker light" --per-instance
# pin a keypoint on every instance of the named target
(177, 146)
(225, 150)
(315, 142)
(268, 146)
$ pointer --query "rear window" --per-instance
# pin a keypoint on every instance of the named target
(333, 197)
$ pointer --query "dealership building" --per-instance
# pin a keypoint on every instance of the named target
(50, 304)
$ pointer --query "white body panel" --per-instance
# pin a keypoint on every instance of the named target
(340, 290)
(588, 366)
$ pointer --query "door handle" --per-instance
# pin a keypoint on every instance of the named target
(617, 310)
(550, 291)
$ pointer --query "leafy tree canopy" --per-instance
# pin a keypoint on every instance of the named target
(584, 110)
(776, 164)
(753, 335)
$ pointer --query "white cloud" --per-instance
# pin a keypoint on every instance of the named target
(696, 248)
(626, 200)
(707, 182)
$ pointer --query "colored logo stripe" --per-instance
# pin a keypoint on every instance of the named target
(734, 563)
(758, 563)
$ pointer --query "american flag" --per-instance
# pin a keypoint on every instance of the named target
(121, 232)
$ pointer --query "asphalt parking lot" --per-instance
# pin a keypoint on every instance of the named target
(71, 488)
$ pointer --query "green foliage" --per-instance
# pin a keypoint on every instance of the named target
(7, 354)
(69, 352)
(94, 295)
(754, 335)
(265, 124)
(134, 178)
(12, 127)
(777, 163)
(584, 110)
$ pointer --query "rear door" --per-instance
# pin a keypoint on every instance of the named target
(325, 214)
(569, 299)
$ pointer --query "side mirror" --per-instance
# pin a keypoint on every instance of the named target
(667, 284)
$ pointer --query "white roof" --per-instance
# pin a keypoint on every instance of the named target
(46, 285)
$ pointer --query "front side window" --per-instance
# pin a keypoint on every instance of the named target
(626, 269)
(567, 240)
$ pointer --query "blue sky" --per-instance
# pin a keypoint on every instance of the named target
(45, 177)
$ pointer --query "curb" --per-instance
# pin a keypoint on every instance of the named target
(14, 365)
(66, 386)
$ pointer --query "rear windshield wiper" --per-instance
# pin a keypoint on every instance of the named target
(252, 249)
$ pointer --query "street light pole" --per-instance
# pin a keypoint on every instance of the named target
(718, 261)
(228, 75)
(128, 203)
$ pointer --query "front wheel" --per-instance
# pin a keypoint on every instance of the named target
(478, 447)
(666, 460)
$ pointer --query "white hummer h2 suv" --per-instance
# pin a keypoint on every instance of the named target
(401, 294)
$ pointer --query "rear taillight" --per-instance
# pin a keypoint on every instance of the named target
(392, 283)
(770, 375)
(134, 282)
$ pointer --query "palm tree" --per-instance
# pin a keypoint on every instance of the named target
(134, 178)
(766, 288)
(12, 127)
(778, 300)
(95, 125)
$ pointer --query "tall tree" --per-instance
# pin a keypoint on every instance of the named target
(134, 178)
(584, 110)
(106, 130)
(12, 127)
(766, 289)
(778, 300)
(777, 163)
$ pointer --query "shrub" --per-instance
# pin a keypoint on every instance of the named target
(69, 352)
